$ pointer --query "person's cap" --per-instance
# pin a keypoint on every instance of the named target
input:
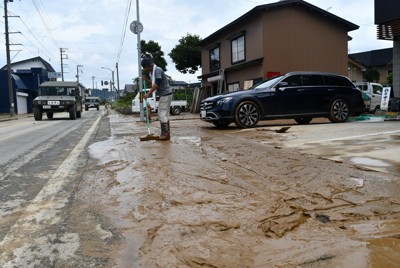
(147, 62)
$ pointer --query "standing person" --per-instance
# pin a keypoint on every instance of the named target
(160, 83)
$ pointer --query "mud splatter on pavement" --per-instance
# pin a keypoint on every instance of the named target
(226, 198)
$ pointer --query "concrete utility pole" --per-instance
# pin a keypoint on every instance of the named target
(77, 72)
(93, 77)
(9, 77)
(116, 67)
(62, 50)
(136, 28)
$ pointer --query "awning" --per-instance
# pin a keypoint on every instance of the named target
(214, 78)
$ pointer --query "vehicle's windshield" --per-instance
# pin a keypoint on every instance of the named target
(92, 100)
(57, 91)
(267, 83)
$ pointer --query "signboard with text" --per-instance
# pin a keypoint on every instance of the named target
(54, 75)
(385, 98)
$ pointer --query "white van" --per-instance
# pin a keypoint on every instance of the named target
(177, 106)
(152, 101)
(374, 91)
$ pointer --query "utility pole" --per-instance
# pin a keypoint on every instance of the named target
(93, 77)
(77, 72)
(116, 67)
(136, 28)
(9, 77)
(62, 50)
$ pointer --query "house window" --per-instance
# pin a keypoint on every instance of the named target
(238, 49)
(233, 87)
(215, 63)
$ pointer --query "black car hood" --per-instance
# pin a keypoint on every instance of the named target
(231, 94)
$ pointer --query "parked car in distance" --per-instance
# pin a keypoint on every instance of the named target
(92, 102)
(177, 106)
(374, 91)
(298, 95)
(367, 101)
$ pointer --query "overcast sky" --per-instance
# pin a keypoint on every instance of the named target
(96, 33)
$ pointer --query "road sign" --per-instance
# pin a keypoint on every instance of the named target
(136, 27)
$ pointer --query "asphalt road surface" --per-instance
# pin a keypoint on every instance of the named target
(41, 164)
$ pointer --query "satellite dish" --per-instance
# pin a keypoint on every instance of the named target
(136, 27)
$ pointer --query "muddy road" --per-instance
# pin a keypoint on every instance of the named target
(224, 198)
(217, 198)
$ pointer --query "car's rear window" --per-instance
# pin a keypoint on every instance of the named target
(313, 80)
(337, 81)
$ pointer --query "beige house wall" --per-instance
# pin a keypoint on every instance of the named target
(295, 40)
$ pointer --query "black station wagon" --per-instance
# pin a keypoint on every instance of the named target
(298, 95)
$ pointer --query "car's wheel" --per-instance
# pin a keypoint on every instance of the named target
(37, 113)
(50, 115)
(176, 110)
(72, 112)
(339, 111)
(303, 120)
(221, 124)
(247, 114)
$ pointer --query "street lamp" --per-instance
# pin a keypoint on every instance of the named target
(112, 74)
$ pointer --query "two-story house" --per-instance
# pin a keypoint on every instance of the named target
(271, 39)
(379, 59)
(27, 75)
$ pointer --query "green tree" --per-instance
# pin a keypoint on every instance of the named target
(389, 79)
(187, 54)
(372, 75)
(153, 49)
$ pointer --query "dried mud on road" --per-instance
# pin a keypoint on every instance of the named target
(225, 198)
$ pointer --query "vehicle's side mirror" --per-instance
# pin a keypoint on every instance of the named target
(281, 84)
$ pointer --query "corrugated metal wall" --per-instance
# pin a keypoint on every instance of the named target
(295, 40)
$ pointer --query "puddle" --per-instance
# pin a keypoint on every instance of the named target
(353, 182)
(383, 238)
(366, 161)
(192, 139)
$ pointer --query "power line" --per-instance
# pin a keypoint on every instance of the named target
(38, 42)
(43, 15)
(129, 4)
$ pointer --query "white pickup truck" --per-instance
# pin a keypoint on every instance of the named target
(374, 91)
(177, 106)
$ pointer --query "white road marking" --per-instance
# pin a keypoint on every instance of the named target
(41, 213)
(355, 137)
